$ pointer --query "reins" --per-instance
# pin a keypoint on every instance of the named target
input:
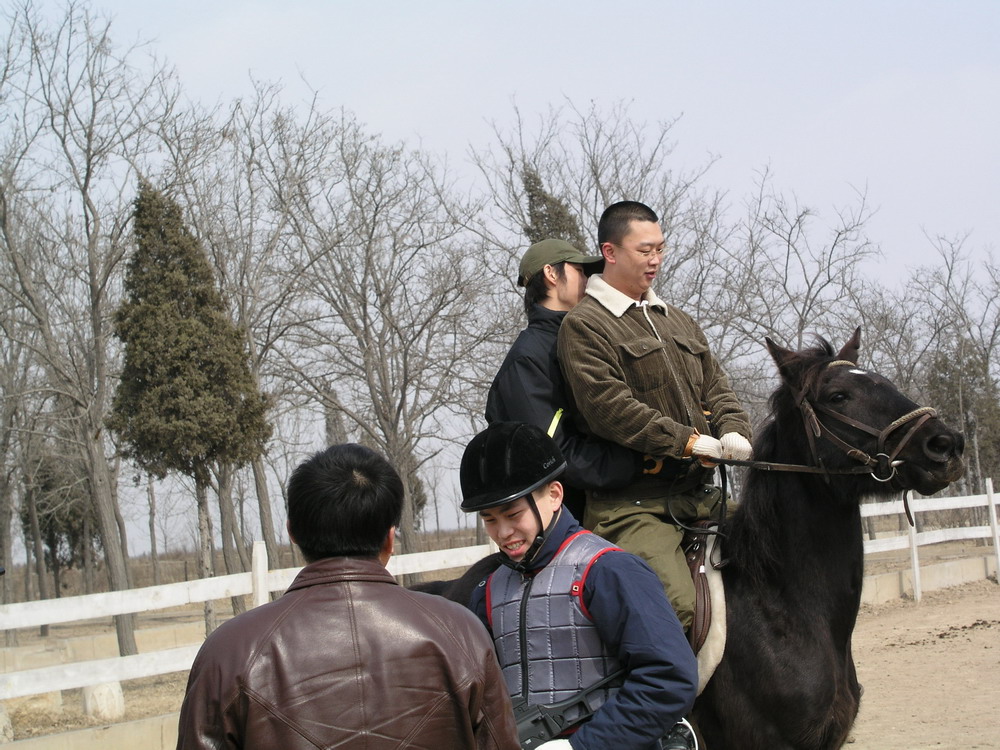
(881, 466)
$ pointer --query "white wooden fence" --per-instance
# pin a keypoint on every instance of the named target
(914, 539)
(261, 581)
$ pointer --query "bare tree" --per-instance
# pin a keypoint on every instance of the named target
(237, 170)
(392, 315)
(779, 271)
(961, 300)
(78, 122)
(15, 400)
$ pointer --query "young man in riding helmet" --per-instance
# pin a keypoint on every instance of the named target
(568, 609)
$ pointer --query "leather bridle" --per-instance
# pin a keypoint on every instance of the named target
(881, 466)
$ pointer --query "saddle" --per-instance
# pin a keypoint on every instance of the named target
(707, 635)
(695, 545)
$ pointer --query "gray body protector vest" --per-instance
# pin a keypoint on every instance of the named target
(561, 653)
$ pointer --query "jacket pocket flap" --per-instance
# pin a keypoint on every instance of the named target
(641, 347)
(690, 344)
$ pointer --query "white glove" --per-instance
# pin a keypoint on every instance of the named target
(706, 446)
(734, 445)
(555, 745)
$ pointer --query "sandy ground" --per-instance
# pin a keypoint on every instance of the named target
(931, 674)
(931, 671)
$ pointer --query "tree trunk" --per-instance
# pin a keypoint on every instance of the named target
(38, 549)
(870, 526)
(206, 566)
(233, 552)
(153, 556)
(99, 474)
(120, 522)
(264, 508)
(56, 575)
(88, 557)
(6, 553)
(979, 516)
(29, 591)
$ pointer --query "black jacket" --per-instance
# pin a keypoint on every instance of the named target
(529, 387)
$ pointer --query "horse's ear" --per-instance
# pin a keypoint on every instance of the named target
(785, 359)
(849, 351)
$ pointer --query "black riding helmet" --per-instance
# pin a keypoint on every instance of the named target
(507, 461)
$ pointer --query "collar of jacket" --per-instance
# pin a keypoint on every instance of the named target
(566, 525)
(616, 302)
(543, 317)
(342, 569)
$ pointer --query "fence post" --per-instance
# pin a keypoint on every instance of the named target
(914, 556)
(991, 505)
(258, 574)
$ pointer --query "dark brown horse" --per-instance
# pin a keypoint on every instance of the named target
(794, 549)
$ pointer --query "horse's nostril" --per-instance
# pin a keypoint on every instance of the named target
(943, 446)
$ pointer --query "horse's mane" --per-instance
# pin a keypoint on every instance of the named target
(754, 531)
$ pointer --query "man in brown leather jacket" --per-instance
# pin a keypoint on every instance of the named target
(346, 657)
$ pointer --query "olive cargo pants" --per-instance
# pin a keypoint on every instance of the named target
(645, 528)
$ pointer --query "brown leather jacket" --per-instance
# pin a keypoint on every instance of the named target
(348, 658)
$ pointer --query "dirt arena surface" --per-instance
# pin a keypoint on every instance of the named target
(931, 671)
(931, 674)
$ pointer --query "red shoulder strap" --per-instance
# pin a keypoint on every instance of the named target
(577, 588)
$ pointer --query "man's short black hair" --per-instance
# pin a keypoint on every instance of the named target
(342, 502)
(536, 290)
(615, 220)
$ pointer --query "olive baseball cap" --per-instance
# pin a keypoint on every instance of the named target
(549, 252)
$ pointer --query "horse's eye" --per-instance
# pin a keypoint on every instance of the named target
(838, 397)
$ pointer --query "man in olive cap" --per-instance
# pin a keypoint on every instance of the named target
(529, 386)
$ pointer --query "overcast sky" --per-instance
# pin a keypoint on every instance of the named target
(899, 99)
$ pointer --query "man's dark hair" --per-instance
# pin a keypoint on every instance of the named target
(536, 290)
(615, 220)
(342, 502)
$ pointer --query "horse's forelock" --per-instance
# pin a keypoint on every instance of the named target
(802, 375)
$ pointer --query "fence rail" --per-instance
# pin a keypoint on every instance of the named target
(260, 582)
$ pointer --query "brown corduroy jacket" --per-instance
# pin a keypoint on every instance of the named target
(639, 374)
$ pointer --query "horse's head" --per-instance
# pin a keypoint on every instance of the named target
(852, 417)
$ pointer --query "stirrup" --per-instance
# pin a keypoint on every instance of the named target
(680, 737)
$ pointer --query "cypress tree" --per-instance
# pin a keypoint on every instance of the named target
(548, 215)
(186, 399)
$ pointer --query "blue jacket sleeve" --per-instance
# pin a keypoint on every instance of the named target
(524, 392)
(635, 620)
(477, 603)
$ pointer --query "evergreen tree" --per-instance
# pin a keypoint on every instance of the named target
(58, 504)
(186, 400)
(549, 216)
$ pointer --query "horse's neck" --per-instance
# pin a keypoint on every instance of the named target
(812, 536)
